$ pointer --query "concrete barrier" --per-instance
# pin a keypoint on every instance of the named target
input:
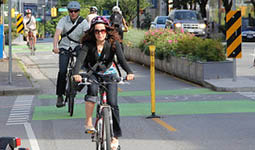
(181, 67)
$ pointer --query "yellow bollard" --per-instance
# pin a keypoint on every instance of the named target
(152, 71)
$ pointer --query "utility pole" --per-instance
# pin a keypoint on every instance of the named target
(10, 41)
(219, 11)
(138, 12)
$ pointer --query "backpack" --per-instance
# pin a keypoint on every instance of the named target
(116, 19)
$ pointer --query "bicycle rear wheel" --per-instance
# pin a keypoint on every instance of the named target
(106, 129)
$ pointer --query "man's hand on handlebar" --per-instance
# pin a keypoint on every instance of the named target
(55, 50)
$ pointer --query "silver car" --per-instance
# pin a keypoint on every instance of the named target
(159, 22)
(188, 20)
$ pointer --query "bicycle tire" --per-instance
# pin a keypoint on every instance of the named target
(71, 96)
(31, 45)
(99, 134)
(107, 129)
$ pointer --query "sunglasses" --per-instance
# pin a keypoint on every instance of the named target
(103, 31)
(71, 11)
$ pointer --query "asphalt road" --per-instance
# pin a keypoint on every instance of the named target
(192, 117)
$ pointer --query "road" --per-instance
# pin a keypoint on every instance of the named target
(192, 117)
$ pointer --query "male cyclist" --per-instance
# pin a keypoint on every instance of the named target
(71, 28)
(29, 25)
(92, 14)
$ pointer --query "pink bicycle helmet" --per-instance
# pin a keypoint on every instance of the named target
(99, 19)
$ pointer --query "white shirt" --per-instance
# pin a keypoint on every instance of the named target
(31, 25)
(65, 24)
(90, 17)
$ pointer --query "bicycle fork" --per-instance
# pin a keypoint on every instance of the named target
(99, 124)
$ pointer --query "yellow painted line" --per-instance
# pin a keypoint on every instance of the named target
(164, 124)
(185, 81)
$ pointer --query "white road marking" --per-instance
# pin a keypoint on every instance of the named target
(21, 108)
(248, 94)
(20, 115)
(31, 136)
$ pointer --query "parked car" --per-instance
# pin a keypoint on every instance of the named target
(159, 22)
(248, 32)
(189, 20)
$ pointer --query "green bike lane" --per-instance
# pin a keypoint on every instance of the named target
(142, 107)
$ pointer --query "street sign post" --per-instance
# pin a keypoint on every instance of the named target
(234, 37)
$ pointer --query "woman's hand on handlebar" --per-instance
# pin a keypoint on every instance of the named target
(77, 78)
(130, 77)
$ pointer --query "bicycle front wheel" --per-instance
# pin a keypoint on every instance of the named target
(107, 129)
(71, 96)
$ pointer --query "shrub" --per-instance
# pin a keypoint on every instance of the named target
(181, 44)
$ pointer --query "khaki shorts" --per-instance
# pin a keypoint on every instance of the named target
(26, 33)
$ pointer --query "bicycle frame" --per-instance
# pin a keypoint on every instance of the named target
(100, 137)
(31, 39)
(70, 91)
(104, 122)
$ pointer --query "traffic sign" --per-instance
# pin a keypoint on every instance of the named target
(19, 24)
(234, 34)
(62, 9)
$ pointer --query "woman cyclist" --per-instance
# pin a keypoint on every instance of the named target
(102, 41)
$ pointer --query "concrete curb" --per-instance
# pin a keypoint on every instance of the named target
(14, 90)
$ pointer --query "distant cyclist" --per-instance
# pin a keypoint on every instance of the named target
(118, 21)
(29, 24)
(93, 13)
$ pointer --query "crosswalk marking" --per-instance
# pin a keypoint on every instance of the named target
(20, 110)
(248, 94)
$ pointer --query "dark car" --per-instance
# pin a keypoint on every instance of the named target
(188, 20)
(248, 30)
(159, 22)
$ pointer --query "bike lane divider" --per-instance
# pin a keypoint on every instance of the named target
(164, 109)
(195, 91)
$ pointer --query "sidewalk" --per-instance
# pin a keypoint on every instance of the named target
(20, 83)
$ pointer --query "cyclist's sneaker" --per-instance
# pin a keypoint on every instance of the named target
(60, 102)
(90, 130)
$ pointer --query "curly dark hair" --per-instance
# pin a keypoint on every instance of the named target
(112, 36)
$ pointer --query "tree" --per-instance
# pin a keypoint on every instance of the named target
(202, 4)
(253, 3)
(227, 5)
(128, 7)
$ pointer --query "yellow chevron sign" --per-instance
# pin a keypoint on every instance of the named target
(19, 24)
(234, 34)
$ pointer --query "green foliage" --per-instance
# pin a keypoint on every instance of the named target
(181, 44)
(133, 37)
(13, 31)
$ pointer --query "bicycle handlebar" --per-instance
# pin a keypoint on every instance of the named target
(87, 81)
